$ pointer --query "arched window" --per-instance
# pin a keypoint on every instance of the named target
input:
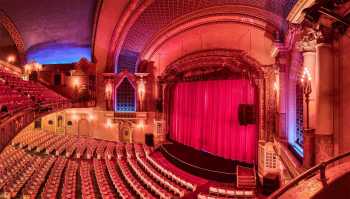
(125, 99)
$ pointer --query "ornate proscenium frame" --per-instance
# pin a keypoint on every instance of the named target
(202, 65)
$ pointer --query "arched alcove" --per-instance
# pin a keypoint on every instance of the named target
(125, 99)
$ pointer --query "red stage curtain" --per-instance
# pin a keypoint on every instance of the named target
(204, 115)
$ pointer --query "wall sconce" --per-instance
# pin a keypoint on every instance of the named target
(109, 123)
(141, 124)
(11, 59)
(91, 117)
(76, 82)
(307, 90)
(33, 66)
(28, 68)
(75, 117)
(108, 91)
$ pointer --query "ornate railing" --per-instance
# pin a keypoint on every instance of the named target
(320, 168)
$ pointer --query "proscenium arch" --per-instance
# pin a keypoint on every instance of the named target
(234, 60)
(16, 37)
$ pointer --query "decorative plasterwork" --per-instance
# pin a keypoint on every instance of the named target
(234, 60)
(296, 15)
(130, 15)
(219, 14)
(10, 27)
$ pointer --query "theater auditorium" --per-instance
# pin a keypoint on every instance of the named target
(207, 99)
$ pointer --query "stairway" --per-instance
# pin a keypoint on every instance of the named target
(246, 178)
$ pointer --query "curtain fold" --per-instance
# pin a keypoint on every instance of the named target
(205, 116)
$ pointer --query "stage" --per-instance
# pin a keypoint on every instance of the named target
(201, 163)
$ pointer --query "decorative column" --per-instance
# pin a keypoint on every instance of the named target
(282, 55)
(324, 81)
(308, 48)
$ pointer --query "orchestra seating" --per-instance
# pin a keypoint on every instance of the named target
(18, 95)
(30, 168)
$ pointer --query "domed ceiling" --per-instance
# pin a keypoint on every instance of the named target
(53, 31)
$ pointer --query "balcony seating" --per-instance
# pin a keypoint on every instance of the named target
(70, 180)
(87, 187)
(101, 178)
(31, 189)
(17, 94)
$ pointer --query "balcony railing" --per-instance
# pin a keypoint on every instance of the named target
(320, 168)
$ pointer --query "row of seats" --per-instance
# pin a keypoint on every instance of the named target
(171, 175)
(12, 188)
(102, 181)
(210, 196)
(53, 182)
(132, 180)
(70, 180)
(117, 181)
(129, 170)
(87, 186)
(230, 192)
(14, 169)
(58, 144)
(172, 186)
(17, 94)
(151, 184)
(33, 185)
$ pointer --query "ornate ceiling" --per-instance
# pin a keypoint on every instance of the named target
(163, 12)
(47, 25)
(63, 31)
